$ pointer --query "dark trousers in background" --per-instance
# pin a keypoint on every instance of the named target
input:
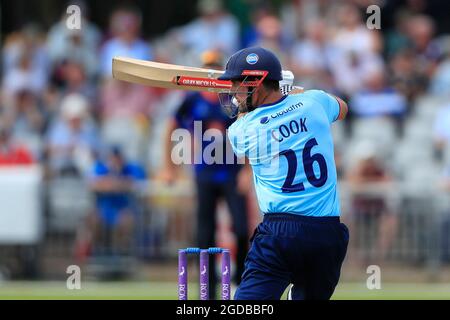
(208, 195)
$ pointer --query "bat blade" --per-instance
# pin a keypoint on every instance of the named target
(169, 76)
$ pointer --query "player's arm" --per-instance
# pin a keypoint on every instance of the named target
(245, 178)
(168, 172)
(334, 107)
(343, 108)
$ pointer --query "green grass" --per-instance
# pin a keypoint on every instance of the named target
(167, 290)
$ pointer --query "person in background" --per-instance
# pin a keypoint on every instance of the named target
(113, 181)
(370, 180)
(269, 34)
(214, 29)
(441, 132)
(74, 80)
(25, 61)
(72, 138)
(23, 76)
(358, 50)
(312, 56)
(440, 81)
(378, 99)
(12, 154)
(27, 121)
(81, 45)
(445, 224)
(421, 30)
(125, 28)
(213, 181)
(405, 76)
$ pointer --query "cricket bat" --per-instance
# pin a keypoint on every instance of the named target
(171, 76)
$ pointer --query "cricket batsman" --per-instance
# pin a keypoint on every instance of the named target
(301, 240)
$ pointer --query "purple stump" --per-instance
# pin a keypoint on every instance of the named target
(226, 275)
(204, 275)
(182, 275)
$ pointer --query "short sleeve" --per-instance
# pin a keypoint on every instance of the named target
(329, 103)
(237, 139)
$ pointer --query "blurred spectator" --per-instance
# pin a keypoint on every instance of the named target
(312, 57)
(397, 40)
(249, 32)
(214, 29)
(74, 79)
(350, 70)
(24, 76)
(269, 35)
(358, 50)
(421, 30)
(441, 129)
(27, 121)
(119, 99)
(440, 81)
(125, 28)
(412, 7)
(377, 99)
(404, 75)
(110, 229)
(445, 224)
(296, 15)
(76, 45)
(72, 138)
(352, 35)
(24, 54)
(370, 182)
(11, 153)
(125, 114)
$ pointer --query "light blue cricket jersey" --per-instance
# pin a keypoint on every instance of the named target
(290, 148)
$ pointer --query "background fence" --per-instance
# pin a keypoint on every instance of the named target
(388, 224)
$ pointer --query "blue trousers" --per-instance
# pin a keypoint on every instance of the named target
(291, 249)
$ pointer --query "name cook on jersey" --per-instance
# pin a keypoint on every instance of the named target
(291, 128)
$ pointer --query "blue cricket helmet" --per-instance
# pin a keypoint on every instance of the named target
(253, 58)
